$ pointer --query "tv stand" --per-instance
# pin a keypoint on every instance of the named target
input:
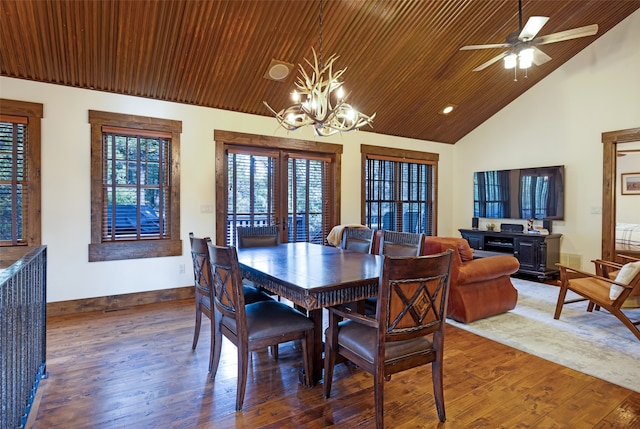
(536, 253)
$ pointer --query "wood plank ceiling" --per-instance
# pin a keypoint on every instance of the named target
(403, 59)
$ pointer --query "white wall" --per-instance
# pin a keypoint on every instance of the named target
(560, 121)
(66, 187)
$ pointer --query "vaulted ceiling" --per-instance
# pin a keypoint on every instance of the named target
(403, 57)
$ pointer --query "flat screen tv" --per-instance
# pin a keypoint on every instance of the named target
(524, 193)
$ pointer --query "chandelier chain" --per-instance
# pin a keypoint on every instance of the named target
(320, 47)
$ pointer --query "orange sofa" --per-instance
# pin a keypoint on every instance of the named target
(479, 287)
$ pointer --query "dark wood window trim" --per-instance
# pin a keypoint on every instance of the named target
(33, 112)
(226, 139)
(143, 248)
(400, 155)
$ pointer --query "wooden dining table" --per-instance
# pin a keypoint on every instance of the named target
(313, 277)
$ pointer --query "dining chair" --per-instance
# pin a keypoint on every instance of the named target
(203, 291)
(357, 239)
(412, 305)
(252, 326)
(393, 243)
(601, 290)
(258, 236)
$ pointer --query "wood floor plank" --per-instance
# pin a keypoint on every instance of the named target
(135, 368)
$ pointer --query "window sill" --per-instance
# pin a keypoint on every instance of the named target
(122, 250)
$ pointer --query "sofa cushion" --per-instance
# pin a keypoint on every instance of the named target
(489, 268)
(459, 244)
(627, 273)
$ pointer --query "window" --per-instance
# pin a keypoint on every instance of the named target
(266, 181)
(19, 175)
(399, 190)
(135, 187)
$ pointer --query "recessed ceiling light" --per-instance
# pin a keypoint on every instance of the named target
(278, 70)
(448, 109)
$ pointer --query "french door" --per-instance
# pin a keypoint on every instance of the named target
(274, 181)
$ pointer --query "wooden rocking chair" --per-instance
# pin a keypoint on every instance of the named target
(601, 291)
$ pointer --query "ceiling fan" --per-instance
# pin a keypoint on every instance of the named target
(522, 44)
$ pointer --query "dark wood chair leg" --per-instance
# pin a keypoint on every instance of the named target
(243, 364)
(196, 333)
(307, 356)
(214, 358)
(212, 347)
(438, 390)
(329, 357)
(378, 385)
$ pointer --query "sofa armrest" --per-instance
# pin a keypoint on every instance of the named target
(489, 268)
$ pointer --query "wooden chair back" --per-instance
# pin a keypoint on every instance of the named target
(226, 283)
(357, 239)
(412, 297)
(258, 236)
(612, 269)
(200, 259)
(393, 243)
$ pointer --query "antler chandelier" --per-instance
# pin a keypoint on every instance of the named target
(320, 100)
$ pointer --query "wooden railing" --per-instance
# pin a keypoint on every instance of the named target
(262, 220)
(23, 306)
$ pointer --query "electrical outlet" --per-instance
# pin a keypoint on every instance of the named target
(181, 269)
(596, 210)
(206, 208)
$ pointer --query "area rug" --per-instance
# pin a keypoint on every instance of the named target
(594, 343)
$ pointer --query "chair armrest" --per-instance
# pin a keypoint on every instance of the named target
(489, 268)
(564, 269)
(610, 264)
(347, 313)
(628, 258)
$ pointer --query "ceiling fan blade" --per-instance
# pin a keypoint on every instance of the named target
(574, 33)
(531, 28)
(491, 61)
(471, 47)
(539, 57)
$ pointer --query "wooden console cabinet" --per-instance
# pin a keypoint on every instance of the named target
(537, 254)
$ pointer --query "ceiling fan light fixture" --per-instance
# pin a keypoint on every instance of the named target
(522, 44)
(510, 61)
(526, 58)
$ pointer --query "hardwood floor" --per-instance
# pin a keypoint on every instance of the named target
(134, 368)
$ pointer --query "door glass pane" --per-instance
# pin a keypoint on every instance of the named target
(252, 192)
(307, 197)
